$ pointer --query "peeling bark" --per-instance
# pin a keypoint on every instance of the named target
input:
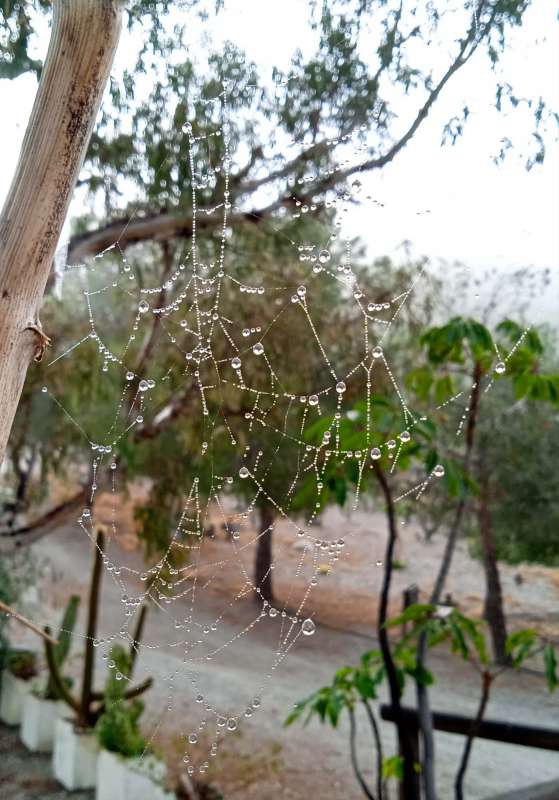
(83, 42)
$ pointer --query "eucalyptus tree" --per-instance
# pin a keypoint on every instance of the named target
(82, 45)
(295, 142)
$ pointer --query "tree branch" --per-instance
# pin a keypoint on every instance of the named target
(409, 783)
(45, 524)
(459, 782)
(378, 746)
(353, 752)
(27, 623)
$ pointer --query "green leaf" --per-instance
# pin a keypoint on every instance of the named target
(550, 664)
(393, 767)
(458, 642)
(418, 612)
(479, 339)
(443, 389)
(420, 380)
(520, 645)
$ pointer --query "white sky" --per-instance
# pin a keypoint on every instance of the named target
(482, 214)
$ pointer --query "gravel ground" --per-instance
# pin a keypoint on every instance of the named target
(28, 776)
(262, 760)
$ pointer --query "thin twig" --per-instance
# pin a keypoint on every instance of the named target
(27, 622)
(354, 763)
(459, 783)
(378, 745)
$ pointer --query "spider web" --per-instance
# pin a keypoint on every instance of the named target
(203, 350)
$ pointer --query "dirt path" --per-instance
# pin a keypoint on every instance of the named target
(262, 760)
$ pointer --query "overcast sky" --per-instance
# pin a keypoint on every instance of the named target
(482, 214)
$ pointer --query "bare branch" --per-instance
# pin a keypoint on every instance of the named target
(27, 623)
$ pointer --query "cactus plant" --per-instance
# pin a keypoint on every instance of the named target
(118, 727)
(90, 705)
(61, 650)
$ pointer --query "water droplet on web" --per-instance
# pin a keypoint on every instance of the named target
(143, 386)
(232, 724)
(438, 471)
(313, 400)
(340, 387)
(243, 472)
(405, 436)
(375, 453)
(129, 376)
(236, 363)
(500, 368)
(324, 256)
(44, 390)
(192, 738)
(377, 351)
(143, 306)
(308, 627)
(391, 444)
(258, 349)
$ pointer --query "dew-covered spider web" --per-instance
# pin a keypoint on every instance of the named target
(263, 430)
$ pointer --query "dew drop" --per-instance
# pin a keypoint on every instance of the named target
(258, 349)
(500, 368)
(243, 472)
(438, 471)
(377, 351)
(236, 363)
(143, 386)
(308, 627)
(340, 387)
(143, 306)
(375, 454)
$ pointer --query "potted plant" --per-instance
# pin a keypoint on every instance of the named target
(126, 768)
(20, 667)
(43, 705)
(75, 744)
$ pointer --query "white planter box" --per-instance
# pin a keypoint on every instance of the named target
(120, 778)
(38, 723)
(14, 692)
(75, 757)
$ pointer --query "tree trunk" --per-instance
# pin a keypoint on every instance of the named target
(409, 786)
(82, 45)
(263, 558)
(423, 705)
(493, 608)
